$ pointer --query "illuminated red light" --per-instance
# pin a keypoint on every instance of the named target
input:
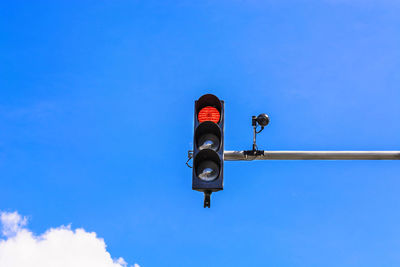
(209, 114)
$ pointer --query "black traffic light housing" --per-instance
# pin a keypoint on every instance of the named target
(208, 146)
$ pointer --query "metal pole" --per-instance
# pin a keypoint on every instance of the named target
(313, 155)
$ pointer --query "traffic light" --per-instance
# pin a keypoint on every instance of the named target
(208, 146)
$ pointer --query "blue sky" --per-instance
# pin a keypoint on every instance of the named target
(96, 117)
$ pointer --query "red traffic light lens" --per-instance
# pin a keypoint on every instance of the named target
(209, 114)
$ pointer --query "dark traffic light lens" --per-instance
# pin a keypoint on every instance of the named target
(209, 141)
(208, 171)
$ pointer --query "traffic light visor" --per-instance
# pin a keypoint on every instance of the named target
(208, 108)
(207, 165)
(208, 135)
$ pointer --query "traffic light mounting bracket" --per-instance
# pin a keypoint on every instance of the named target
(262, 120)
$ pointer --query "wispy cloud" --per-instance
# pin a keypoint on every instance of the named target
(61, 246)
(12, 223)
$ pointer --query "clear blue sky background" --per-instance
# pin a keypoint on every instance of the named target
(96, 117)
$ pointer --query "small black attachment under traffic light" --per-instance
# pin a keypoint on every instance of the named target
(208, 146)
(207, 199)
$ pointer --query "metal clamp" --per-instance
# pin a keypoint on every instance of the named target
(254, 153)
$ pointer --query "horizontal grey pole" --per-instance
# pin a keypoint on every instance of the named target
(314, 155)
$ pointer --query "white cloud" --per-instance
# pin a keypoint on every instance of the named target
(11, 222)
(61, 246)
